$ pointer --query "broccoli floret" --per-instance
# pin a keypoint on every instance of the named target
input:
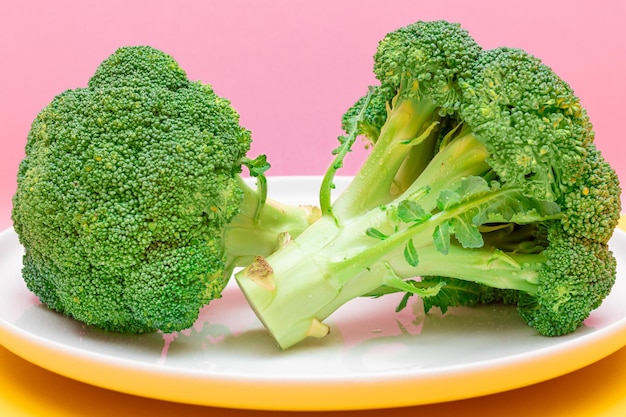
(554, 288)
(576, 277)
(419, 67)
(483, 185)
(129, 192)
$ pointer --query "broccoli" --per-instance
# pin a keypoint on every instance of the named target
(483, 185)
(130, 203)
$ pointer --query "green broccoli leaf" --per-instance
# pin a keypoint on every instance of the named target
(453, 293)
(441, 237)
(257, 166)
(448, 199)
(410, 254)
(467, 233)
(411, 212)
(376, 234)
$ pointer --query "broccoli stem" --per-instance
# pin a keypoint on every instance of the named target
(408, 121)
(489, 266)
(293, 292)
(300, 287)
(262, 226)
(319, 266)
(332, 262)
(463, 157)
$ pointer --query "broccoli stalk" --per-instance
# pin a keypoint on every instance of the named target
(482, 171)
(262, 225)
(381, 247)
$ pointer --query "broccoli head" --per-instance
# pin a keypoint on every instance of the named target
(125, 193)
(483, 185)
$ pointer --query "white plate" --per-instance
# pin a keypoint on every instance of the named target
(373, 358)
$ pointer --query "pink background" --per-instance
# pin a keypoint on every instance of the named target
(291, 68)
